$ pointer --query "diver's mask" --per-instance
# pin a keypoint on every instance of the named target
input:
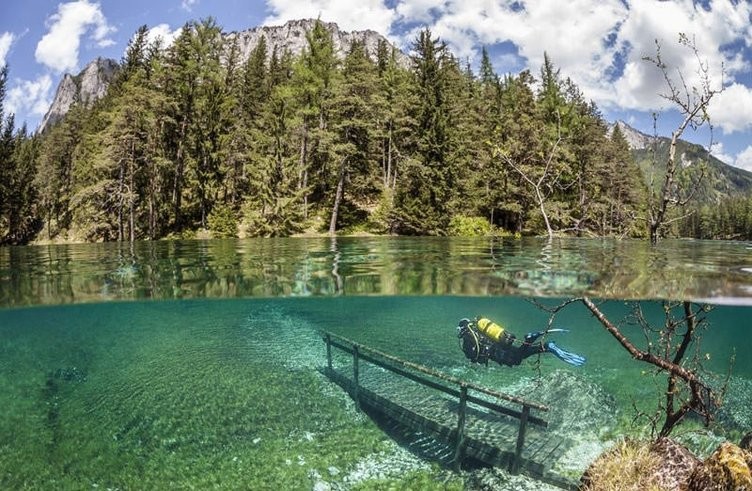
(462, 327)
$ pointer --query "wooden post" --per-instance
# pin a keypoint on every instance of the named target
(356, 374)
(328, 351)
(460, 440)
(520, 440)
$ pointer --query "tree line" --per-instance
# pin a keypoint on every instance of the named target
(192, 137)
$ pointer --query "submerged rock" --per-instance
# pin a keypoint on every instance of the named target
(676, 463)
(666, 465)
(728, 468)
(634, 465)
(746, 442)
(69, 374)
(495, 479)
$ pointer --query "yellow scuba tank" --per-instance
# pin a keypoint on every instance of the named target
(491, 329)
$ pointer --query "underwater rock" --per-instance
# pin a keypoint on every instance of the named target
(676, 463)
(746, 442)
(69, 374)
(634, 465)
(384, 465)
(726, 469)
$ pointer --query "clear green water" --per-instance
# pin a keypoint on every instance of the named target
(204, 374)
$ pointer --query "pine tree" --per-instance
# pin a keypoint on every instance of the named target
(353, 122)
(315, 75)
(421, 202)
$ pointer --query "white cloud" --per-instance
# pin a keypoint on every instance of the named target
(744, 159)
(730, 110)
(163, 31)
(600, 44)
(6, 39)
(188, 4)
(719, 152)
(58, 49)
(30, 96)
(710, 29)
(349, 15)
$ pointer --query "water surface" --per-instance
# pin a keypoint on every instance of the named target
(204, 372)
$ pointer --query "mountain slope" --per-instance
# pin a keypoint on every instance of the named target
(719, 180)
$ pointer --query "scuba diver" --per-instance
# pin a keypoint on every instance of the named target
(481, 340)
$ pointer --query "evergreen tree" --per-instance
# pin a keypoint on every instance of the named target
(519, 139)
(353, 117)
(55, 179)
(22, 219)
(315, 76)
(422, 197)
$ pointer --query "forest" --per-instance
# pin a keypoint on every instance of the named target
(192, 140)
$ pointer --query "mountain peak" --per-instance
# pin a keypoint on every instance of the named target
(291, 36)
(88, 86)
(636, 139)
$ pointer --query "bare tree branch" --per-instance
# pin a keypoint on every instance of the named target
(692, 104)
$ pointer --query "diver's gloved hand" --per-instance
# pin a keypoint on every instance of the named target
(565, 356)
(532, 336)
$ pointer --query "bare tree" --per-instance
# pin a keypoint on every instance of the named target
(668, 349)
(542, 185)
(692, 103)
(673, 349)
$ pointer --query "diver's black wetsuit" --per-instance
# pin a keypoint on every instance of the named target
(479, 349)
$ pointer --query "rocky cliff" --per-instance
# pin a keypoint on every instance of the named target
(636, 139)
(92, 82)
(87, 87)
(292, 36)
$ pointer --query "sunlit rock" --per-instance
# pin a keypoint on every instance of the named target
(726, 469)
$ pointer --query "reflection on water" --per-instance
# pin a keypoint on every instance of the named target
(375, 266)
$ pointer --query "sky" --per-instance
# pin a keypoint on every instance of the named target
(600, 44)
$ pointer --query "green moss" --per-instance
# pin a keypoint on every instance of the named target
(430, 479)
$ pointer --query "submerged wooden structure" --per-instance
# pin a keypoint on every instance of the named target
(469, 421)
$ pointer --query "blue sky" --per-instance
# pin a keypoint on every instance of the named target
(600, 44)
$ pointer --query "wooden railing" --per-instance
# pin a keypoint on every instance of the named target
(444, 383)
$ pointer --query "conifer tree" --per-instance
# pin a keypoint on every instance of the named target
(422, 198)
(353, 122)
(315, 76)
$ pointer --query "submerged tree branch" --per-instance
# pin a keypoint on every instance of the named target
(686, 392)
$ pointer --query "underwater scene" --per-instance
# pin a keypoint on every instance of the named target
(201, 365)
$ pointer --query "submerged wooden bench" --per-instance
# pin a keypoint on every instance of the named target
(494, 428)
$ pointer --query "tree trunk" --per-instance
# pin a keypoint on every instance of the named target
(338, 196)
(121, 177)
(303, 172)
(177, 187)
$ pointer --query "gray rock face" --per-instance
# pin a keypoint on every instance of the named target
(86, 87)
(636, 139)
(292, 36)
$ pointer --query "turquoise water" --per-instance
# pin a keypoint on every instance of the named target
(195, 364)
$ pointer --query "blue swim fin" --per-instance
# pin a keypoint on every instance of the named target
(565, 356)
